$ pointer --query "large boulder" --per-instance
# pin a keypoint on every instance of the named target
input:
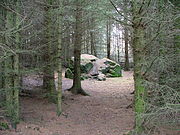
(108, 67)
(86, 58)
(92, 67)
(87, 67)
(86, 63)
(95, 70)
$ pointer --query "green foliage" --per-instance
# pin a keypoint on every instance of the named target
(139, 103)
(176, 3)
(4, 126)
(115, 71)
(110, 63)
(159, 69)
(69, 73)
(86, 68)
(105, 70)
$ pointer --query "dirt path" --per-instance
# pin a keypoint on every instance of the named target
(105, 112)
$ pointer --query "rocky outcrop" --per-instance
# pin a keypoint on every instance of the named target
(92, 67)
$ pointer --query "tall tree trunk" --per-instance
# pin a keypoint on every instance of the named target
(48, 79)
(87, 39)
(77, 89)
(139, 54)
(118, 48)
(138, 45)
(11, 64)
(108, 34)
(126, 35)
(92, 37)
(8, 66)
(59, 59)
(67, 44)
(1, 75)
(126, 38)
(16, 66)
(2, 40)
(176, 37)
(93, 48)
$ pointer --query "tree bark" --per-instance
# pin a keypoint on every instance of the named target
(77, 89)
(92, 37)
(2, 40)
(67, 44)
(139, 54)
(126, 35)
(8, 65)
(11, 65)
(59, 59)
(126, 38)
(118, 48)
(16, 67)
(108, 39)
(48, 78)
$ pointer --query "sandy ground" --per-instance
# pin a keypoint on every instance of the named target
(105, 112)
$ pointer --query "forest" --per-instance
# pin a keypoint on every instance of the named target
(89, 67)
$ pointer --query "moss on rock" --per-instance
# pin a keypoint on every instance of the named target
(86, 68)
(116, 71)
(92, 66)
(4, 126)
(69, 73)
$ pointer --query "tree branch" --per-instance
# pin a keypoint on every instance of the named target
(119, 11)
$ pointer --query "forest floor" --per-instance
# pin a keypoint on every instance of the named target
(107, 111)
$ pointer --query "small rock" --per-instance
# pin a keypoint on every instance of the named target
(101, 77)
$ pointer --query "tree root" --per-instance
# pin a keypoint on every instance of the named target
(80, 91)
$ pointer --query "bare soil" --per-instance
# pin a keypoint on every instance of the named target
(107, 111)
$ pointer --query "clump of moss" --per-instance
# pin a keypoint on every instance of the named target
(4, 126)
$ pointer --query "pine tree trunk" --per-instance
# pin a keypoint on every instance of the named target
(138, 45)
(16, 67)
(87, 38)
(1, 76)
(59, 59)
(118, 50)
(48, 79)
(11, 65)
(67, 44)
(8, 85)
(139, 54)
(176, 65)
(92, 37)
(93, 48)
(8, 66)
(108, 34)
(77, 89)
(126, 38)
(126, 67)
(2, 40)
